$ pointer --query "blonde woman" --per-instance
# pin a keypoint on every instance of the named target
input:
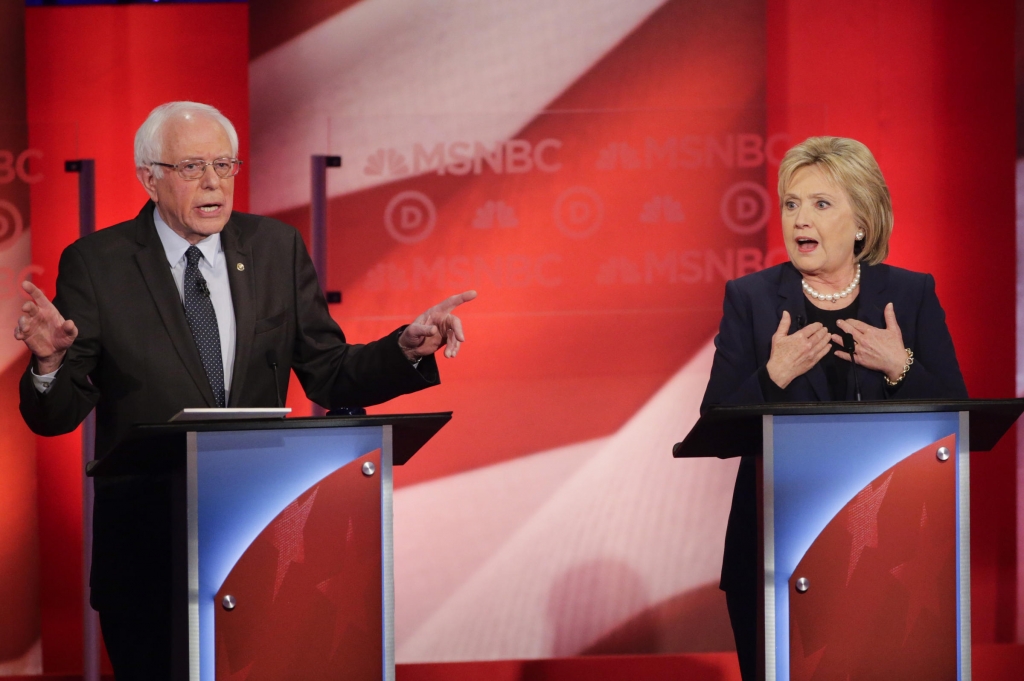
(787, 331)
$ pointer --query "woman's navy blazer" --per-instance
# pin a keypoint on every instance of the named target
(752, 311)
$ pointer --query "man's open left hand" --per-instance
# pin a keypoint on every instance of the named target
(434, 329)
(42, 328)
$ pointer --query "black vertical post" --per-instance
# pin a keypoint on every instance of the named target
(86, 169)
(318, 166)
(318, 214)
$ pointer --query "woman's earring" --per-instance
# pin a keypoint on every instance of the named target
(860, 236)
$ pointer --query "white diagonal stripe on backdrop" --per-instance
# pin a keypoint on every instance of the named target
(627, 527)
(446, 529)
(392, 73)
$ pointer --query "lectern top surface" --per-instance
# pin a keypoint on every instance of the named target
(404, 420)
(164, 443)
(866, 407)
(230, 413)
(736, 430)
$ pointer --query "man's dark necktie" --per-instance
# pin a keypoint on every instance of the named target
(203, 321)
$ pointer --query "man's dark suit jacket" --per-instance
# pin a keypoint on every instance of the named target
(752, 311)
(135, 361)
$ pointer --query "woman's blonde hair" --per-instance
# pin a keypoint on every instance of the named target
(851, 166)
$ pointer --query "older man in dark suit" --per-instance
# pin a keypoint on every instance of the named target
(190, 305)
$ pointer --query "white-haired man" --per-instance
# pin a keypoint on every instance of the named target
(190, 305)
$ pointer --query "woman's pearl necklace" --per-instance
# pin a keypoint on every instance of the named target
(833, 297)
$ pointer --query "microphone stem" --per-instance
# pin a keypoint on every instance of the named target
(856, 381)
(277, 386)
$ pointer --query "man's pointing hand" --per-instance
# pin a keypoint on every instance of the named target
(435, 328)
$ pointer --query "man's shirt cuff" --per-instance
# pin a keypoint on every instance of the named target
(43, 383)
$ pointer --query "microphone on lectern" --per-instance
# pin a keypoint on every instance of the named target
(852, 348)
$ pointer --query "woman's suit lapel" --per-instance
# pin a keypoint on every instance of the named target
(873, 299)
(791, 299)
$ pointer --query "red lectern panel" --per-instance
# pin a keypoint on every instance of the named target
(881, 577)
(307, 591)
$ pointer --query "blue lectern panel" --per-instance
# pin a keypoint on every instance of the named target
(245, 479)
(818, 464)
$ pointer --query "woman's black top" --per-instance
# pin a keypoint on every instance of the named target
(838, 372)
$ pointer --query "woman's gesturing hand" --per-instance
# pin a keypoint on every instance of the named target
(795, 355)
(877, 349)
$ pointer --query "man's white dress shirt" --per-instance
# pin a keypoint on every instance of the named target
(213, 266)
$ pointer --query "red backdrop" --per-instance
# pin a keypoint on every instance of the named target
(928, 86)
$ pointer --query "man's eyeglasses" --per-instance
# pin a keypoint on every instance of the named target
(194, 168)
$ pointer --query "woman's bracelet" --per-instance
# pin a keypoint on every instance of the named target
(906, 368)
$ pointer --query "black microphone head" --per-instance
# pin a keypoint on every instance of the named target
(272, 357)
(850, 346)
(204, 290)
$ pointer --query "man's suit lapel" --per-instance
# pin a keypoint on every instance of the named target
(152, 262)
(791, 299)
(243, 299)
